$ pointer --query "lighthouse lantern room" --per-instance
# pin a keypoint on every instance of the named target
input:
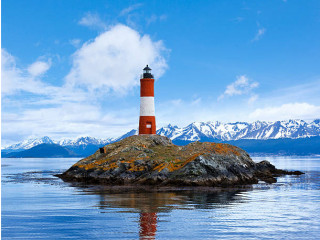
(147, 121)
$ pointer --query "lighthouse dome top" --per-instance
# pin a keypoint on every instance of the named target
(147, 72)
(147, 68)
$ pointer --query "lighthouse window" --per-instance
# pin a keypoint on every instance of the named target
(148, 125)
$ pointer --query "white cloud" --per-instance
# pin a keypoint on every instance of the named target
(130, 9)
(176, 102)
(286, 111)
(153, 18)
(75, 42)
(253, 98)
(17, 80)
(14, 79)
(196, 101)
(67, 120)
(309, 91)
(242, 85)
(38, 68)
(259, 34)
(92, 20)
(57, 111)
(114, 60)
(238, 19)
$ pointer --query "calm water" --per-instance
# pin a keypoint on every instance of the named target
(37, 205)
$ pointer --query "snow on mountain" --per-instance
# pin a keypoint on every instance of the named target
(81, 141)
(84, 141)
(199, 131)
(29, 143)
(169, 131)
(241, 130)
(128, 134)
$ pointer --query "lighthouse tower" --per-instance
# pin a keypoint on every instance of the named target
(147, 122)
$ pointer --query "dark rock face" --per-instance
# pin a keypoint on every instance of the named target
(155, 160)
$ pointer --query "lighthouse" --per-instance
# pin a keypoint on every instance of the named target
(147, 121)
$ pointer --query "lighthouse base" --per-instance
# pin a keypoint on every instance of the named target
(147, 125)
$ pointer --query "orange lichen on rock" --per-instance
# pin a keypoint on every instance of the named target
(224, 149)
(136, 168)
(175, 165)
(193, 157)
(162, 154)
(111, 166)
(89, 165)
(160, 167)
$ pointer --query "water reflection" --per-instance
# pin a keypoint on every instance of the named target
(149, 202)
(148, 225)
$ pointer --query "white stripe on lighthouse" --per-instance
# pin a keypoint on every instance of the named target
(147, 106)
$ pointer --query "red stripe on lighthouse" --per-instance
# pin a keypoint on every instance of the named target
(147, 87)
(147, 125)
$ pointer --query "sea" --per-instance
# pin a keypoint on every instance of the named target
(35, 204)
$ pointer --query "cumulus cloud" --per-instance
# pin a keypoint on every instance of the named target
(114, 60)
(39, 67)
(286, 111)
(92, 20)
(242, 85)
(14, 79)
(259, 34)
(57, 111)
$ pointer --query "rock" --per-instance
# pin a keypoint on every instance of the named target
(155, 160)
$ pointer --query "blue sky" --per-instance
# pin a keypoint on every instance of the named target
(71, 68)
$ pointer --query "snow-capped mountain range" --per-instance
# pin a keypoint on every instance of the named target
(29, 143)
(84, 141)
(81, 141)
(199, 131)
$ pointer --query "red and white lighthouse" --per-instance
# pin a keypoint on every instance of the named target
(147, 122)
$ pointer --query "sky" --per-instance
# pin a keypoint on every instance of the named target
(72, 68)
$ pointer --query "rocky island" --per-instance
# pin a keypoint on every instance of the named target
(155, 160)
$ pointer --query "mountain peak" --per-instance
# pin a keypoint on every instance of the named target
(316, 121)
(46, 138)
(171, 126)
